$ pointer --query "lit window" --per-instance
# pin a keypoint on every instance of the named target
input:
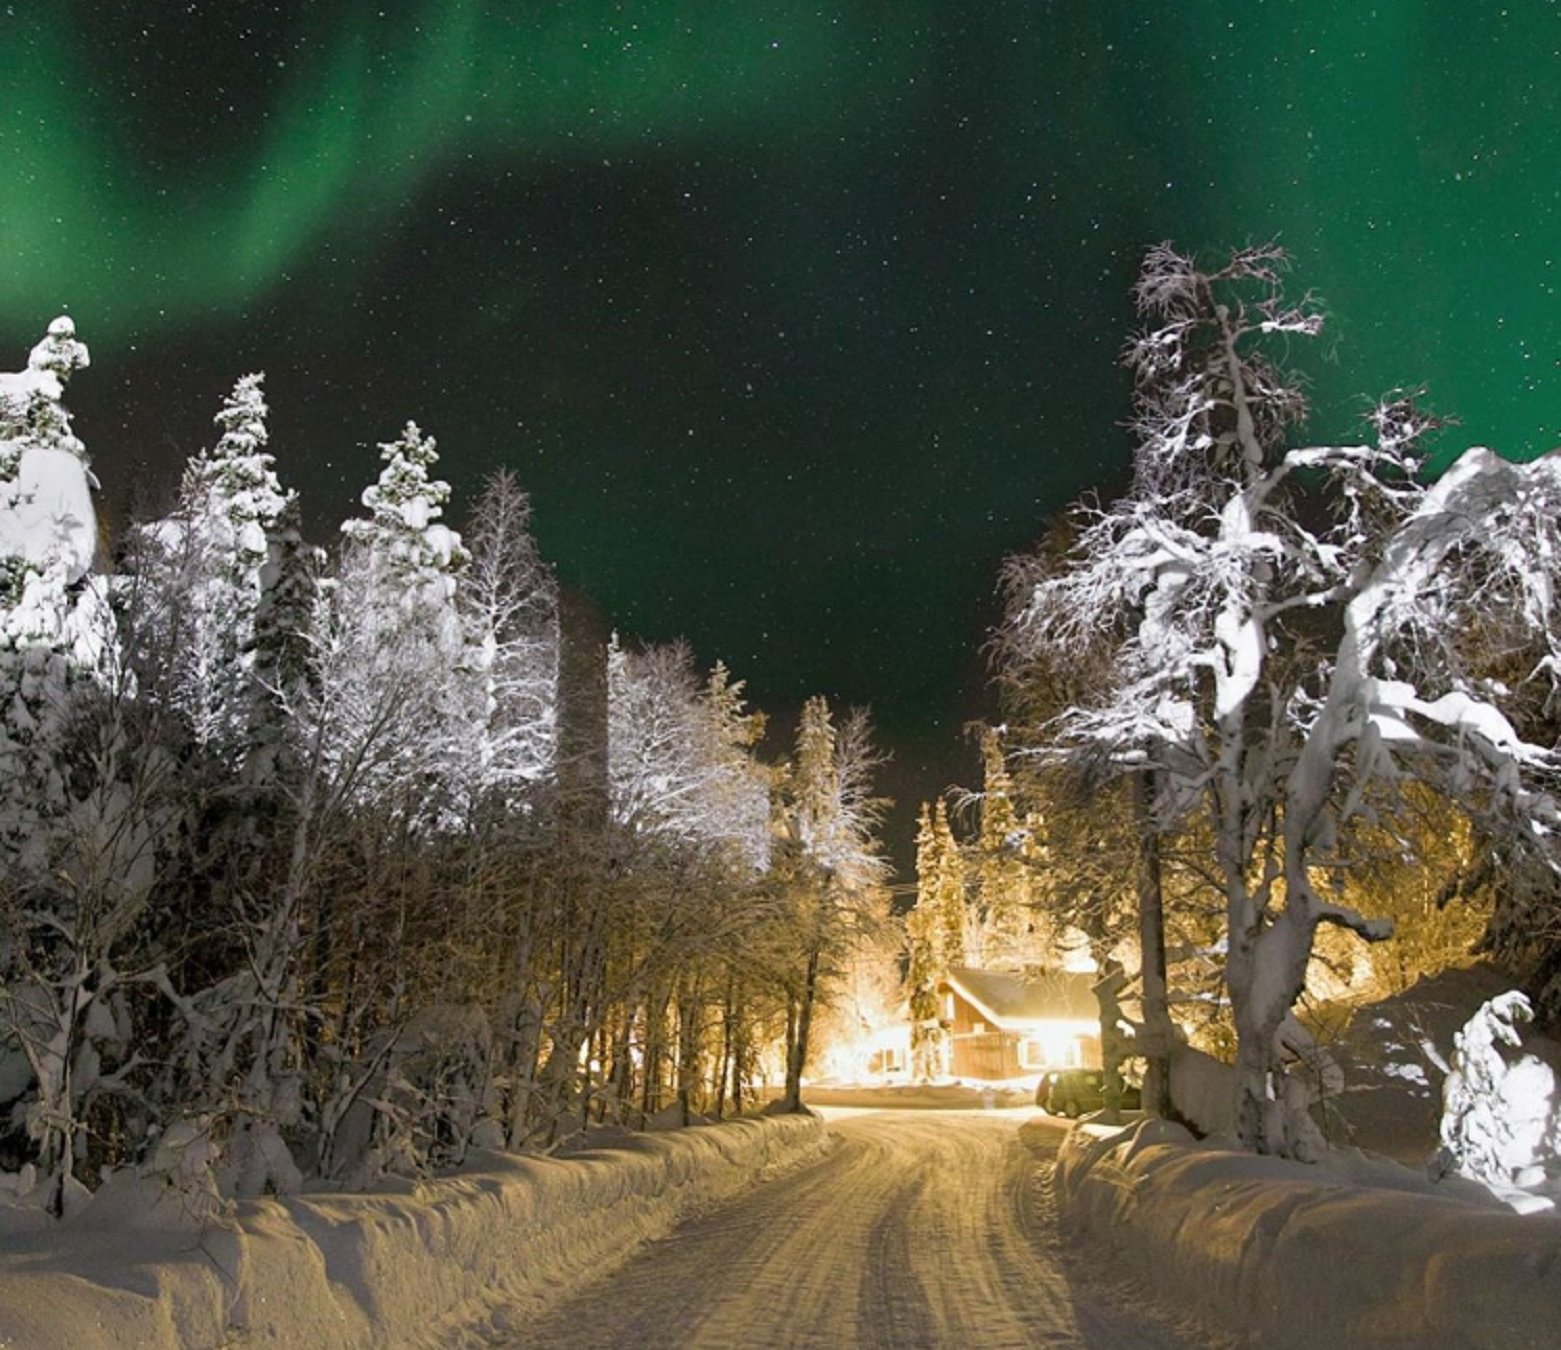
(1032, 1054)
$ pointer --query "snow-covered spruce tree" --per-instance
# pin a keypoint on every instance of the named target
(1279, 726)
(205, 563)
(1007, 928)
(935, 929)
(415, 560)
(393, 608)
(55, 631)
(289, 603)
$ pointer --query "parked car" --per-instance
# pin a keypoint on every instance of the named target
(1076, 1092)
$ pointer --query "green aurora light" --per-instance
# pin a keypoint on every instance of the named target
(795, 318)
(359, 128)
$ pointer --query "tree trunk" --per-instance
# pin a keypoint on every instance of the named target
(688, 1050)
(797, 1054)
(1159, 1032)
(739, 1058)
(1273, 978)
(727, 1014)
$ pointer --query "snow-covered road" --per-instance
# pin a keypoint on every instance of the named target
(918, 1228)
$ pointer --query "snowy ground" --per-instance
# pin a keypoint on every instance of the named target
(918, 1228)
(1362, 1250)
(1355, 1252)
(414, 1266)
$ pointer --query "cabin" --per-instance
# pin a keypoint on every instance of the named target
(1001, 1026)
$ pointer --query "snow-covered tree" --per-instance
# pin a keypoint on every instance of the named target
(935, 930)
(678, 761)
(204, 563)
(55, 628)
(289, 604)
(1281, 675)
(46, 512)
(85, 797)
(828, 865)
(509, 605)
(1006, 927)
(391, 638)
(413, 559)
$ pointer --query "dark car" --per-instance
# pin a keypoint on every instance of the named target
(1076, 1092)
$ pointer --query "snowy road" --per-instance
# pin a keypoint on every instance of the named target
(918, 1228)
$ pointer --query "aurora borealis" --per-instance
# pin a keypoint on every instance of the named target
(793, 318)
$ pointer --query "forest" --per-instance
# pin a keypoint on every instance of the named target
(347, 860)
(341, 861)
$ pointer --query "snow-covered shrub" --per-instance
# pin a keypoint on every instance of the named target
(417, 1103)
(1501, 1117)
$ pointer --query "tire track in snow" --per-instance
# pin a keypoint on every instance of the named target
(920, 1228)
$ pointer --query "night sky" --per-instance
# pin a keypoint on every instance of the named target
(794, 319)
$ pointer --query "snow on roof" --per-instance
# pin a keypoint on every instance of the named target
(1012, 999)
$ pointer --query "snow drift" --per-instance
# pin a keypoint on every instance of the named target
(506, 1236)
(1291, 1255)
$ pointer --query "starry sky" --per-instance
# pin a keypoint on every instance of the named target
(795, 319)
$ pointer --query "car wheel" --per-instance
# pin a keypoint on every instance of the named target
(1070, 1108)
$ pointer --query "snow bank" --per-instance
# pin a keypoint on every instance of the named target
(508, 1235)
(1291, 1255)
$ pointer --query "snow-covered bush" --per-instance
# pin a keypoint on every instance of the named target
(1501, 1117)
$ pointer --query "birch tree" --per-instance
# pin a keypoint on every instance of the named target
(1283, 675)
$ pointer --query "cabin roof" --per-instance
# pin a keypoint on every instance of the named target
(1008, 1000)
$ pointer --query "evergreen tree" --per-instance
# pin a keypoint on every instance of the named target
(391, 655)
(56, 633)
(828, 866)
(414, 559)
(211, 555)
(1007, 858)
(926, 967)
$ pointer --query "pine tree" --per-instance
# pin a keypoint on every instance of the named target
(84, 792)
(926, 968)
(828, 865)
(948, 889)
(393, 662)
